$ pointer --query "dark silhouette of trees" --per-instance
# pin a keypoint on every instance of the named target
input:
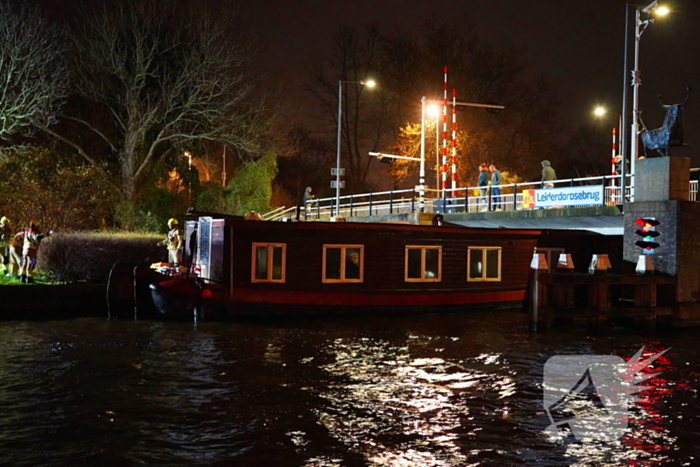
(408, 65)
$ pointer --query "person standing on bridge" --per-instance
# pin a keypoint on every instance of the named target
(483, 182)
(548, 175)
(495, 188)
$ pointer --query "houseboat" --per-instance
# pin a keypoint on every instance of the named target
(239, 267)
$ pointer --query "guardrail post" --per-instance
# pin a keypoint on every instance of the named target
(444, 201)
(352, 205)
(466, 200)
(370, 204)
(515, 197)
(413, 200)
(391, 202)
(490, 198)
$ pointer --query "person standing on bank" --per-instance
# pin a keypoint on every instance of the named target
(173, 241)
(548, 175)
(30, 248)
(5, 239)
(495, 189)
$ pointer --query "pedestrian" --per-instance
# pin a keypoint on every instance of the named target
(5, 239)
(548, 175)
(30, 249)
(16, 245)
(495, 188)
(173, 241)
(306, 200)
(483, 182)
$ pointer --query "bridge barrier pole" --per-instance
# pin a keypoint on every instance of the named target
(352, 205)
(538, 291)
(413, 200)
(370, 204)
(391, 202)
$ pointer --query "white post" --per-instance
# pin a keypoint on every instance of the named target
(421, 177)
(636, 82)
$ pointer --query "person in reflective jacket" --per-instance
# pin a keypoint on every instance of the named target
(173, 241)
(30, 248)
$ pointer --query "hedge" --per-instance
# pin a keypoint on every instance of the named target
(88, 256)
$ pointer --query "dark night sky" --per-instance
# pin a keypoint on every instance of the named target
(577, 44)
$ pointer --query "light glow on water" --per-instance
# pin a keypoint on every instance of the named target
(441, 391)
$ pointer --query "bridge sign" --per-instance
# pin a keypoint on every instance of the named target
(560, 197)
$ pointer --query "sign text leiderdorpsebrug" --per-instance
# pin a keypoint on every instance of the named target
(570, 196)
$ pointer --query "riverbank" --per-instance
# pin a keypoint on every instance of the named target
(52, 301)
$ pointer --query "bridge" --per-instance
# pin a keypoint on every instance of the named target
(479, 207)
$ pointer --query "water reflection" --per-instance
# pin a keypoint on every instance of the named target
(416, 391)
(400, 409)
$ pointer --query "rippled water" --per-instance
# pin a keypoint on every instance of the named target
(437, 390)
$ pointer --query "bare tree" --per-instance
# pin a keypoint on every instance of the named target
(411, 66)
(168, 78)
(355, 58)
(33, 73)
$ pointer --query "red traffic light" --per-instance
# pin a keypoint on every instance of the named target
(648, 233)
(647, 223)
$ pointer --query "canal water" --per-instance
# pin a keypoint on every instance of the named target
(431, 390)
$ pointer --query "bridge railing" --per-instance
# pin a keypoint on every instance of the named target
(469, 199)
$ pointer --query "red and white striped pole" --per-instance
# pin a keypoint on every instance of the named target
(454, 143)
(614, 149)
(444, 133)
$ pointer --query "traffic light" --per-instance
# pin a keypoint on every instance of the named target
(648, 233)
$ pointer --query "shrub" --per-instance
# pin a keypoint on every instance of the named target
(85, 256)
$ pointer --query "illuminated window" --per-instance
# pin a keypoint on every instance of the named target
(423, 263)
(343, 263)
(269, 262)
(483, 263)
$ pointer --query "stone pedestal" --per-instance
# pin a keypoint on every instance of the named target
(662, 179)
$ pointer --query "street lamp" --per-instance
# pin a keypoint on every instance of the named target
(639, 27)
(370, 84)
(601, 112)
(434, 111)
(189, 177)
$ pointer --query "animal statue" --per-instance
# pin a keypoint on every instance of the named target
(670, 135)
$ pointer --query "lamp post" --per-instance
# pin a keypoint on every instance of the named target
(639, 28)
(434, 112)
(601, 112)
(370, 84)
(189, 177)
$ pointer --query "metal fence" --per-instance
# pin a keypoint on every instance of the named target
(470, 199)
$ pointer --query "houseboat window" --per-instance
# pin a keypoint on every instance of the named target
(423, 263)
(269, 262)
(484, 264)
(343, 263)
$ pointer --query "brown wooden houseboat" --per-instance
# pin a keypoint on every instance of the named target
(248, 268)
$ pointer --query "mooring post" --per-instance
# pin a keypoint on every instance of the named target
(538, 291)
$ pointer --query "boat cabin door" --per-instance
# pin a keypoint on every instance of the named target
(210, 249)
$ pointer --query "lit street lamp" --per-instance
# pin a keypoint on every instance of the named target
(189, 177)
(601, 112)
(434, 112)
(639, 28)
(337, 172)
